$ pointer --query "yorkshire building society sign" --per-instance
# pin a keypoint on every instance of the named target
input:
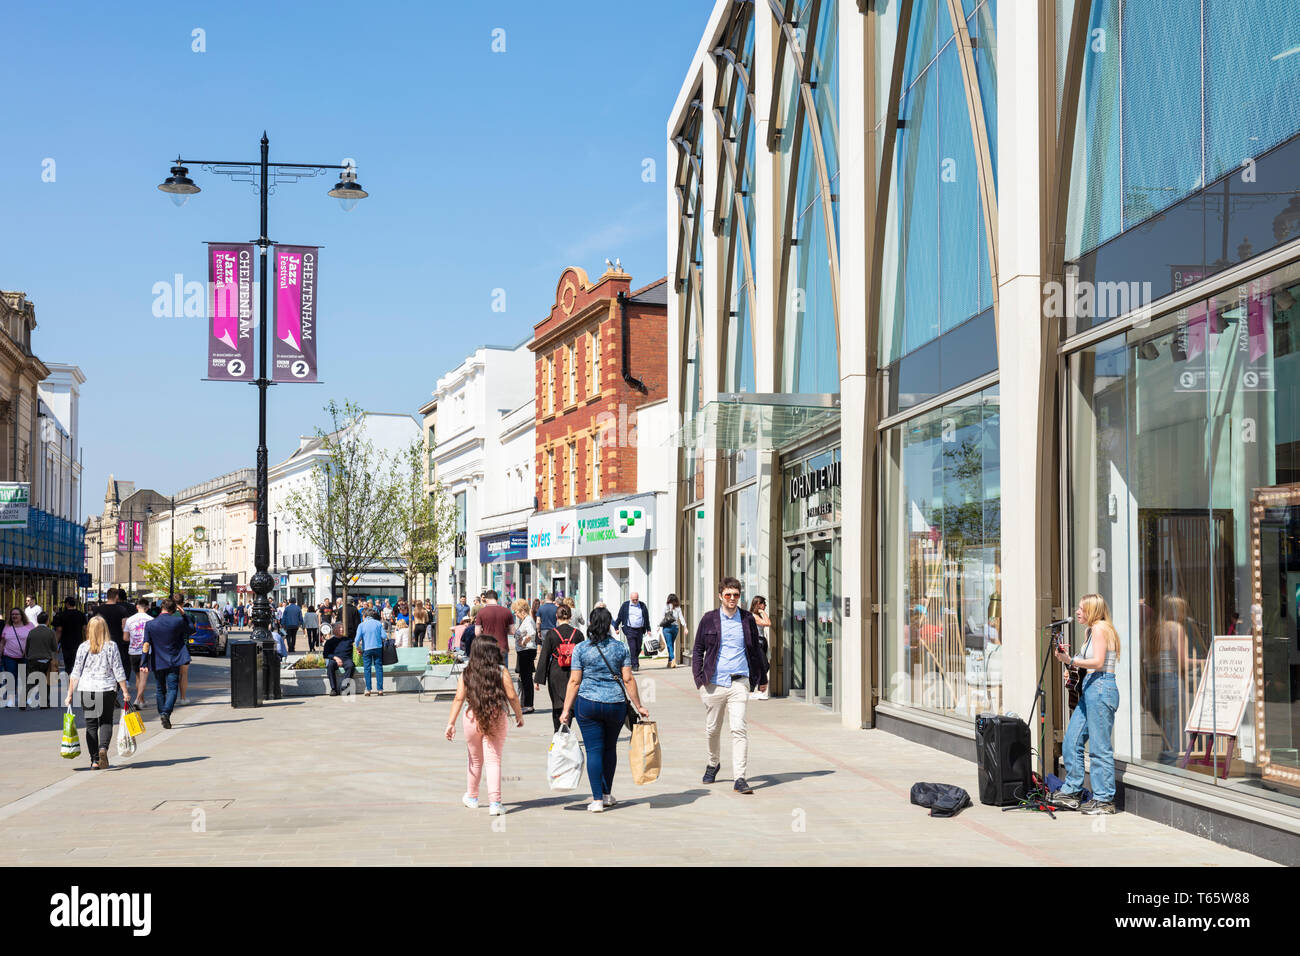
(616, 527)
(15, 496)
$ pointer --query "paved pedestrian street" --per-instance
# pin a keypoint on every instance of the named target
(352, 780)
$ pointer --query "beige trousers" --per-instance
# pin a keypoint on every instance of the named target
(730, 701)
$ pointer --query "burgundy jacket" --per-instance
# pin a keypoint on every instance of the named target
(708, 644)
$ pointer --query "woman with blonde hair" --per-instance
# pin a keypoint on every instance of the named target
(525, 649)
(99, 673)
(1093, 721)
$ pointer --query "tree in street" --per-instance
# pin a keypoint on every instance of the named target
(190, 581)
(428, 521)
(351, 510)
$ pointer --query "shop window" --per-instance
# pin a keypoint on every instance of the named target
(1184, 510)
(941, 560)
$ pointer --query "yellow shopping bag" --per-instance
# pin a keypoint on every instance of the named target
(134, 723)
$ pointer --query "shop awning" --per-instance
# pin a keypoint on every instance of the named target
(764, 422)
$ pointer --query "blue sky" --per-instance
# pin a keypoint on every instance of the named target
(486, 170)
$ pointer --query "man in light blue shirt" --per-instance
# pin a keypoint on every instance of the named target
(370, 641)
(731, 653)
(727, 664)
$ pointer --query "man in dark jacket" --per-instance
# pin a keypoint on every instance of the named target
(291, 620)
(166, 636)
(633, 620)
(727, 663)
(340, 658)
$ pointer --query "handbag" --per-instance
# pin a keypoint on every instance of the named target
(632, 718)
(70, 746)
(389, 651)
(133, 722)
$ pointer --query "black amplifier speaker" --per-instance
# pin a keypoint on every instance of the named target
(1003, 759)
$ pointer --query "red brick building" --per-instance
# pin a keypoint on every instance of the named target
(601, 352)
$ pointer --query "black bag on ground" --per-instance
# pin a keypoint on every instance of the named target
(943, 799)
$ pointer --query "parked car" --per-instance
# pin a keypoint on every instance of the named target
(209, 631)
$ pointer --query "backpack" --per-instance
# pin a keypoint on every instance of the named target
(564, 651)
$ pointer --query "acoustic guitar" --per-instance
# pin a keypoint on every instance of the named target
(1073, 683)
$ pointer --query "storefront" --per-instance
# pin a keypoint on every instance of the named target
(302, 587)
(550, 553)
(377, 586)
(222, 589)
(809, 665)
(504, 559)
(614, 545)
(1184, 474)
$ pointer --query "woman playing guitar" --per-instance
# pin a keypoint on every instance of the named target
(1093, 720)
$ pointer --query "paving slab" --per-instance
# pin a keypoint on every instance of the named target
(371, 781)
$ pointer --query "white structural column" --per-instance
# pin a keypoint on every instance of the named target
(767, 206)
(714, 312)
(767, 273)
(857, 432)
(1025, 590)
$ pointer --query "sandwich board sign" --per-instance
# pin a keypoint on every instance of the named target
(15, 496)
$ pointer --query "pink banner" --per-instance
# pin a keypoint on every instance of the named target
(293, 357)
(230, 313)
(121, 536)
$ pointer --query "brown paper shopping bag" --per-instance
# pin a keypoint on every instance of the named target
(646, 754)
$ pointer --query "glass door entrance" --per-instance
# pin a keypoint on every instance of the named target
(824, 626)
(813, 621)
(796, 629)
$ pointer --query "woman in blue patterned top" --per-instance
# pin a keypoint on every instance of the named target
(602, 669)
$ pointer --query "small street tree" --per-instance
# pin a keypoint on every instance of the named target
(427, 521)
(190, 581)
(351, 509)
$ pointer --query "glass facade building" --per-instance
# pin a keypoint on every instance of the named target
(866, 328)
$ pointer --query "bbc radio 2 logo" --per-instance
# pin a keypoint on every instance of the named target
(298, 368)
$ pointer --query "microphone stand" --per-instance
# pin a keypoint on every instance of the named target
(1039, 694)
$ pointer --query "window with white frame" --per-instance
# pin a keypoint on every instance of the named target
(550, 477)
(549, 385)
(571, 358)
(593, 350)
(594, 458)
(573, 472)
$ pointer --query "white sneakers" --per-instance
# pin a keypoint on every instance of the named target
(608, 801)
(596, 806)
(495, 810)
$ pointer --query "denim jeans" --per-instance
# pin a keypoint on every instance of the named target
(1164, 707)
(168, 681)
(374, 656)
(670, 635)
(1093, 723)
(600, 725)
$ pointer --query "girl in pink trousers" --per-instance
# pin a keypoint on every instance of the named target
(484, 690)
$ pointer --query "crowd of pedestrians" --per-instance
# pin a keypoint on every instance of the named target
(591, 677)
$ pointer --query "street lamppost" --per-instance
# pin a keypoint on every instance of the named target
(171, 561)
(348, 192)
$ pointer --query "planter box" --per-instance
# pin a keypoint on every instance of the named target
(304, 672)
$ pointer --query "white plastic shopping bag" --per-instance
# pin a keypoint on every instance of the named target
(565, 761)
(125, 742)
